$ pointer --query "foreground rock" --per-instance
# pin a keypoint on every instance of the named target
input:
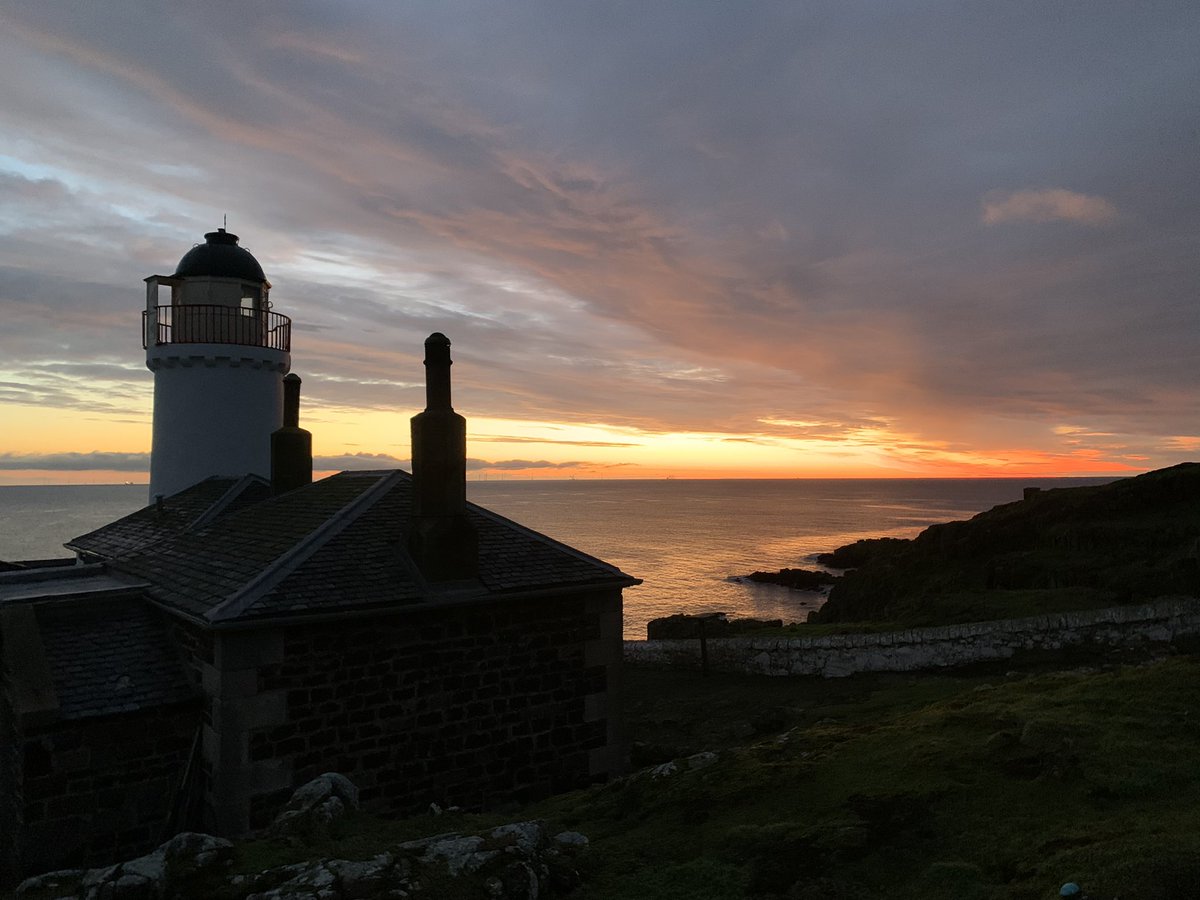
(314, 808)
(520, 861)
(183, 860)
(512, 862)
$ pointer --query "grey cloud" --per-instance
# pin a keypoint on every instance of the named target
(359, 461)
(91, 370)
(76, 462)
(519, 464)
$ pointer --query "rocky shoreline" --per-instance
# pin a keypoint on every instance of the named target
(796, 579)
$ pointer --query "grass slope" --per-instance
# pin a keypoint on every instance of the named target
(927, 787)
(983, 785)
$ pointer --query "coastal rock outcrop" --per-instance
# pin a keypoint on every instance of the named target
(861, 552)
(796, 579)
(1062, 549)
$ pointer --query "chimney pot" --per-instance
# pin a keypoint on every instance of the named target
(291, 445)
(291, 401)
(441, 538)
(437, 371)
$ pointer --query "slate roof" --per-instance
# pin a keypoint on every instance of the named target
(203, 502)
(338, 544)
(110, 657)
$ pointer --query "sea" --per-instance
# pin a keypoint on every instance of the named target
(690, 541)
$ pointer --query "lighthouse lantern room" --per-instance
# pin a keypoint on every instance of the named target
(218, 353)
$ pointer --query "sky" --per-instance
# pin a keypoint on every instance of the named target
(688, 239)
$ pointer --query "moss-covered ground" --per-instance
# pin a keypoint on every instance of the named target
(983, 784)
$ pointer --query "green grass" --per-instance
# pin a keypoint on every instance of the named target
(928, 787)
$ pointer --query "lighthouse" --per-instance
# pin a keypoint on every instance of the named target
(219, 354)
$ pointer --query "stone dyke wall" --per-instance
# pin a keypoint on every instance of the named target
(835, 656)
(95, 790)
(469, 706)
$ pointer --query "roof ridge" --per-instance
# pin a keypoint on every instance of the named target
(246, 596)
(222, 503)
(163, 536)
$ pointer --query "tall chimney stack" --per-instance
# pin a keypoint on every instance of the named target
(291, 445)
(441, 539)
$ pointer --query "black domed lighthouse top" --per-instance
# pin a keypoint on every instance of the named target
(220, 257)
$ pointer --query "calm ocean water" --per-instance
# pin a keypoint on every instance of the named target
(686, 539)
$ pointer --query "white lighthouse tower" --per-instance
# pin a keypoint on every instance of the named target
(218, 354)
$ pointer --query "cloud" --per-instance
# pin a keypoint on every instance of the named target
(1047, 205)
(712, 219)
(1185, 443)
(140, 462)
(518, 464)
(358, 461)
(513, 439)
(76, 462)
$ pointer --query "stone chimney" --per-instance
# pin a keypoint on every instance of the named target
(441, 539)
(291, 445)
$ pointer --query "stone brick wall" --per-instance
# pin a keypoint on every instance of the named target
(195, 645)
(10, 785)
(100, 790)
(470, 705)
(834, 656)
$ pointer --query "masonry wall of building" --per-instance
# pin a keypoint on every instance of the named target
(195, 646)
(469, 705)
(10, 785)
(99, 790)
(833, 656)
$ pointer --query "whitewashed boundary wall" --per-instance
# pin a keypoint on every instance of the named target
(838, 655)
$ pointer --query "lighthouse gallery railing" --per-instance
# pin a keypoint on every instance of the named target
(212, 324)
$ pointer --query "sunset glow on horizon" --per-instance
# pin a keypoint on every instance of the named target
(549, 450)
(678, 241)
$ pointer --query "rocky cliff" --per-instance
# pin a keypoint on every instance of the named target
(1069, 548)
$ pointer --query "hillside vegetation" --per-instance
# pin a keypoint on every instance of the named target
(1060, 549)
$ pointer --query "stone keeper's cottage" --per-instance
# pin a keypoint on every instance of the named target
(250, 628)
